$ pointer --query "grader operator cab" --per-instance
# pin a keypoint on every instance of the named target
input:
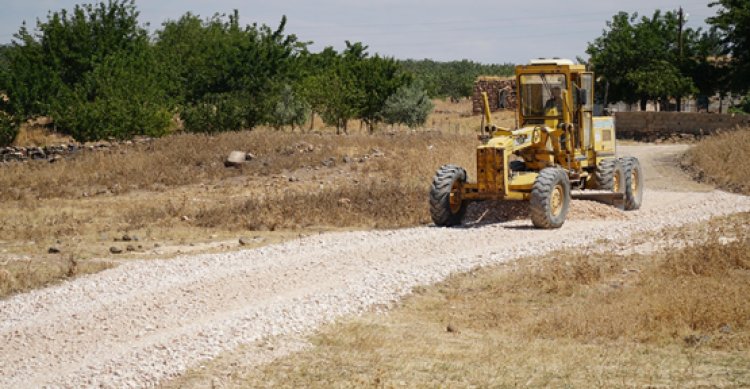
(559, 150)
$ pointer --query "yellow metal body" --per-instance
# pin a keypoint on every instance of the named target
(556, 128)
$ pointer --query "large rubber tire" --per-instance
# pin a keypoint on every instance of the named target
(605, 173)
(633, 182)
(447, 210)
(550, 198)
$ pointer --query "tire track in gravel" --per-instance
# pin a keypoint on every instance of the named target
(146, 321)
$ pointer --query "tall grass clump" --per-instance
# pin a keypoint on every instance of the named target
(722, 160)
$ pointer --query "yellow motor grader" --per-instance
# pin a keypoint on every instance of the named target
(559, 150)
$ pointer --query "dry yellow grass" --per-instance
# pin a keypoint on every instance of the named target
(22, 275)
(675, 318)
(176, 193)
(722, 160)
(37, 133)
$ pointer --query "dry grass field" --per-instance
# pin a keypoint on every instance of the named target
(672, 315)
(176, 196)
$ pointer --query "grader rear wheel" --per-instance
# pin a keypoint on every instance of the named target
(550, 198)
(633, 184)
(447, 206)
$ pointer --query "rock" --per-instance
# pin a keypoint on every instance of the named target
(346, 159)
(245, 241)
(304, 147)
(328, 162)
(249, 156)
(235, 159)
(344, 201)
(126, 238)
(451, 328)
(36, 153)
(53, 250)
(115, 250)
(130, 248)
(726, 329)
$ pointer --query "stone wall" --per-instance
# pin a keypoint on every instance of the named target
(501, 93)
(53, 153)
(660, 125)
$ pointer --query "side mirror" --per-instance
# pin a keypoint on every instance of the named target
(582, 94)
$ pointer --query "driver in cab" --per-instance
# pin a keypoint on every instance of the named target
(555, 101)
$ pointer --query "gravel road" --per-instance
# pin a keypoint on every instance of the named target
(146, 321)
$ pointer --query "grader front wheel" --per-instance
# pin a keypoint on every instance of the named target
(550, 198)
(447, 206)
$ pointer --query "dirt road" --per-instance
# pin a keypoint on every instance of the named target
(146, 321)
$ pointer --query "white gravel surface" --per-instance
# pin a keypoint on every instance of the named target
(146, 321)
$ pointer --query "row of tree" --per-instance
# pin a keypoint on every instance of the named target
(98, 73)
(454, 79)
(655, 58)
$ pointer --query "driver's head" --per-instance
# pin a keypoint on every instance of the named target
(555, 91)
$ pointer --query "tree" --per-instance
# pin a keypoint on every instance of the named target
(227, 77)
(91, 70)
(453, 79)
(376, 78)
(660, 79)
(639, 59)
(128, 100)
(732, 23)
(339, 95)
(410, 105)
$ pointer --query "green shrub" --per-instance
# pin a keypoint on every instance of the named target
(91, 69)
(8, 129)
(290, 110)
(216, 113)
(743, 107)
(410, 105)
(121, 98)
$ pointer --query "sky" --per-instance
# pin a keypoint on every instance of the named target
(478, 30)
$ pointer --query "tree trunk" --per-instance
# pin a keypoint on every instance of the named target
(312, 119)
(644, 102)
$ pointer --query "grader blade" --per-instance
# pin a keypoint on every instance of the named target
(610, 198)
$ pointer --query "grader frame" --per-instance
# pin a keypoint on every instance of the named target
(559, 147)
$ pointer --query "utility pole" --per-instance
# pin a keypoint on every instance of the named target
(681, 20)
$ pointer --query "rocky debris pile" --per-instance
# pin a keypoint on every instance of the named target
(53, 153)
(591, 210)
(501, 93)
(297, 148)
(489, 212)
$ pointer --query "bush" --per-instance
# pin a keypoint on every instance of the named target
(216, 113)
(743, 106)
(410, 105)
(128, 101)
(226, 77)
(92, 70)
(8, 129)
(290, 110)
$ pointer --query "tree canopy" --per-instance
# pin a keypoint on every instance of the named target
(732, 26)
(646, 58)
